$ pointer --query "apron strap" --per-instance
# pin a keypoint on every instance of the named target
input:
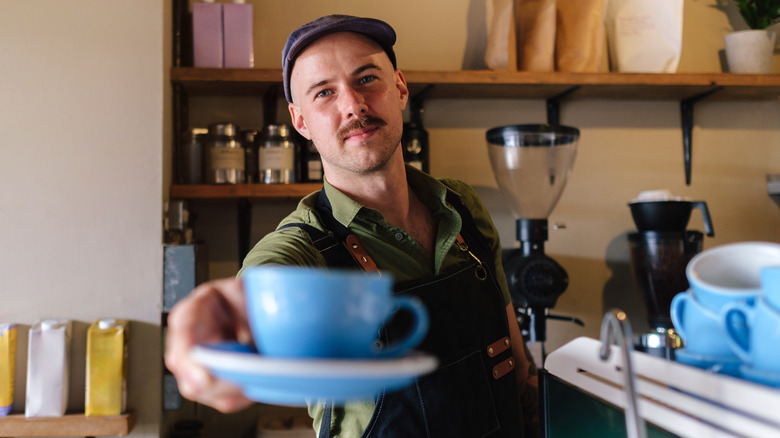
(331, 249)
(342, 249)
(472, 235)
(326, 419)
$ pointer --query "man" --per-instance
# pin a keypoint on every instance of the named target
(346, 94)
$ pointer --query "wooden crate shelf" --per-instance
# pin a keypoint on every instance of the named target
(76, 425)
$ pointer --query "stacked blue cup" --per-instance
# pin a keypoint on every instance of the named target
(753, 332)
(725, 278)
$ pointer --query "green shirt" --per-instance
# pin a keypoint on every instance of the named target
(392, 248)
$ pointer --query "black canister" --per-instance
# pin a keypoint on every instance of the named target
(191, 159)
(312, 167)
(248, 138)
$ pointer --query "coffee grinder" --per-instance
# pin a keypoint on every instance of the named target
(531, 164)
(659, 252)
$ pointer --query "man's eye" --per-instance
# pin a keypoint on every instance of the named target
(324, 93)
(366, 79)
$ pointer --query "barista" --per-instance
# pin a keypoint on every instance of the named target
(346, 94)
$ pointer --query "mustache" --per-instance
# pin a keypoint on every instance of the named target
(360, 123)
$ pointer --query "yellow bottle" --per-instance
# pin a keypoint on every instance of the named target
(7, 367)
(106, 380)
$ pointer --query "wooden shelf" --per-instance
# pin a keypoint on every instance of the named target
(265, 192)
(686, 88)
(77, 425)
(488, 84)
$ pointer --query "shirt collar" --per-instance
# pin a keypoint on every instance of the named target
(344, 208)
(430, 191)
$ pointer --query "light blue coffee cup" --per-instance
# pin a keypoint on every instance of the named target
(770, 285)
(759, 345)
(699, 327)
(730, 273)
(304, 312)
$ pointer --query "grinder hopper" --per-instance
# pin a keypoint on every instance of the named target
(532, 164)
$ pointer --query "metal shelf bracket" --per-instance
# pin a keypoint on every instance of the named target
(417, 101)
(686, 113)
(554, 104)
(420, 95)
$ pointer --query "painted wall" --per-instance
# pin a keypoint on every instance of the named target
(84, 117)
(81, 116)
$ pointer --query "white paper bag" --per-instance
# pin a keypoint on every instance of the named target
(48, 367)
(645, 36)
(501, 30)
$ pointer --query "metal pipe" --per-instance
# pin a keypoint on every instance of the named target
(616, 329)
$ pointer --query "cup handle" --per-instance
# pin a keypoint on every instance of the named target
(416, 334)
(676, 312)
(705, 213)
(737, 340)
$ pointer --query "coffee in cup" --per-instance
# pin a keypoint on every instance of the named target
(305, 312)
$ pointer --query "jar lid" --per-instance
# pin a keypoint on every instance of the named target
(223, 128)
(248, 135)
(280, 130)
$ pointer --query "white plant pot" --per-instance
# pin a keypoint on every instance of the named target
(750, 51)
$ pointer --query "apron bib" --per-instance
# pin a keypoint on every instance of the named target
(473, 392)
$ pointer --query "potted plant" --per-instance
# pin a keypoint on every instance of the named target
(750, 51)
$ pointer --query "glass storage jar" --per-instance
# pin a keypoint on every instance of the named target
(224, 155)
(277, 156)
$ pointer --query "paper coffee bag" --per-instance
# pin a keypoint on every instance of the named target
(535, 27)
(500, 51)
(7, 367)
(580, 35)
(645, 36)
(48, 368)
(106, 380)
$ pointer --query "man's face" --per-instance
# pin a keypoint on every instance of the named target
(348, 100)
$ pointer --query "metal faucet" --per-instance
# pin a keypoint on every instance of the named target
(616, 329)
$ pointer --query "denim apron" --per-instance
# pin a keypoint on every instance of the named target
(473, 392)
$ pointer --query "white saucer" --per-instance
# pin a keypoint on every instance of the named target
(717, 364)
(292, 381)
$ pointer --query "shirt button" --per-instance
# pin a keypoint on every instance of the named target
(398, 236)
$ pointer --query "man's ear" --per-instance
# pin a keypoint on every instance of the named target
(403, 89)
(297, 120)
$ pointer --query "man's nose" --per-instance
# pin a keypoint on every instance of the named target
(352, 103)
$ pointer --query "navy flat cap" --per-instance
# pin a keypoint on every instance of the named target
(300, 38)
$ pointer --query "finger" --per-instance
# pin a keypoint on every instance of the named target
(234, 304)
(213, 312)
(203, 388)
(196, 318)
